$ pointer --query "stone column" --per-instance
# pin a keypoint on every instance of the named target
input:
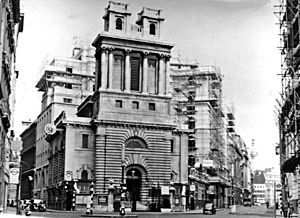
(162, 75)
(145, 73)
(168, 76)
(110, 67)
(127, 71)
(103, 68)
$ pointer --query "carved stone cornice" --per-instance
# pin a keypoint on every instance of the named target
(167, 57)
(127, 124)
(104, 48)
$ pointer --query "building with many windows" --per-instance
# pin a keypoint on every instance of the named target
(288, 101)
(65, 83)
(219, 168)
(28, 155)
(11, 23)
(266, 186)
(166, 141)
(198, 101)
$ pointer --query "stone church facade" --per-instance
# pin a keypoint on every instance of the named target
(131, 106)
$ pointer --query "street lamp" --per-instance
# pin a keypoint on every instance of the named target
(123, 184)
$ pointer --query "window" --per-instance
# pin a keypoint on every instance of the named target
(152, 76)
(152, 106)
(191, 97)
(67, 100)
(190, 109)
(135, 142)
(191, 144)
(84, 175)
(172, 146)
(69, 69)
(152, 29)
(135, 74)
(118, 66)
(119, 24)
(191, 160)
(85, 140)
(119, 103)
(191, 123)
(68, 86)
(135, 105)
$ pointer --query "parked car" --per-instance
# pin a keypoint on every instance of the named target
(37, 205)
(209, 207)
(247, 202)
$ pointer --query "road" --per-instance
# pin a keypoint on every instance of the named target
(248, 212)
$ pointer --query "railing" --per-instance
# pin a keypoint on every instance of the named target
(151, 12)
(117, 6)
(136, 29)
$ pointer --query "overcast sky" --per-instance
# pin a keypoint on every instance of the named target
(238, 36)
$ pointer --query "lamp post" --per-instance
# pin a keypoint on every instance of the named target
(18, 209)
(233, 206)
(123, 184)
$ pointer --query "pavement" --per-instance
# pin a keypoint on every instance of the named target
(240, 211)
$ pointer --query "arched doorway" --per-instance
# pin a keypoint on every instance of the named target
(134, 185)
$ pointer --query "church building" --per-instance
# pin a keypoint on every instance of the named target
(131, 107)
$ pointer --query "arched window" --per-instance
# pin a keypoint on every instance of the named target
(119, 24)
(136, 142)
(152, 29)
(84, 175)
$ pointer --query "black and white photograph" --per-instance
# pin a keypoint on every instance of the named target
(150, 108)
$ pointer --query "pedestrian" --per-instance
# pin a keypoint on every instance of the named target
(290, 211)
(284, 209)
(267, 204)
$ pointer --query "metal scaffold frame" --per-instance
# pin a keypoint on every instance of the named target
(288, 113)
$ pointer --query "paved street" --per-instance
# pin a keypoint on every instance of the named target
(247, 212)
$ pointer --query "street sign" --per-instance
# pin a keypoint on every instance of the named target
(14, 176)
(50, 129)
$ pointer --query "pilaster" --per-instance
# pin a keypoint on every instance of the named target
(110, 66)
(127, 70)
(168, 77)
(162, 75)
(103, 68)
(145, 72)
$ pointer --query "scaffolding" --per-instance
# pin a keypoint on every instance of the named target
(200, 101)
(289, 102)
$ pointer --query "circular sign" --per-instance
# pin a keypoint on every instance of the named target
(14, 171)
(50, 129)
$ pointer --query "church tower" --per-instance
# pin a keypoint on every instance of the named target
(131, 104)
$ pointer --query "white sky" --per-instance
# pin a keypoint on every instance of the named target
(238, 36)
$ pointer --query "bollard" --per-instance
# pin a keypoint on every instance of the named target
(74, 201)
(92, 195)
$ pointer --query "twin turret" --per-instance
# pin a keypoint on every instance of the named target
(116, 21)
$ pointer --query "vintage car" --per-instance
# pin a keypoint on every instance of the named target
(35, 205)
(247, 202)
(209, 207)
